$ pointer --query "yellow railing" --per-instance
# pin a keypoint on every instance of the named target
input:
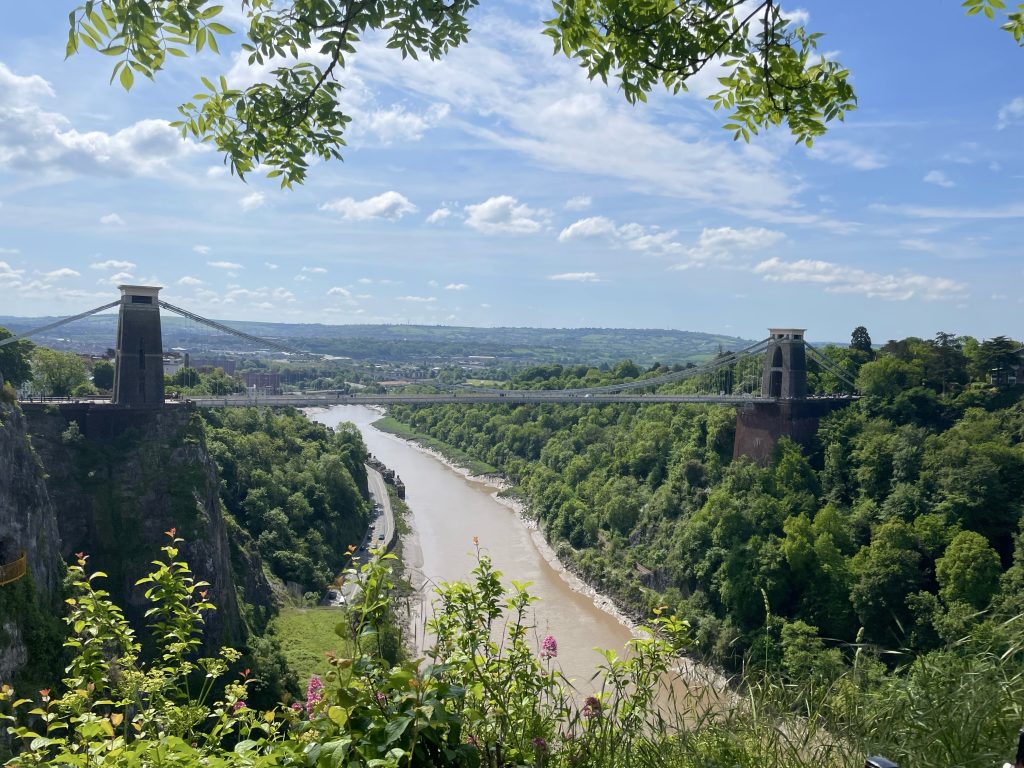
(14, 571)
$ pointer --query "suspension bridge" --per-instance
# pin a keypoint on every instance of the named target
(766, 381)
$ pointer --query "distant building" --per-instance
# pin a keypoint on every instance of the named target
(263, 383)
(172, 365)
(210, 364)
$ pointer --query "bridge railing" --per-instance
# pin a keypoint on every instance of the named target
(11, 572)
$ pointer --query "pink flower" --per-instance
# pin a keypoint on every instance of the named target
(592, 707)
(314, 694)
(380, 696)
(541, 745)
(238, 705)
(549, 647)
(296, 707)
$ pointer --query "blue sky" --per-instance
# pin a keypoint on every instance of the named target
(500, 187)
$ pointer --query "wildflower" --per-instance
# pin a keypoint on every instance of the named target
(238, 705)
(314, 694)
(592, 707)
(171, 533)
(549, 647)
(540, 745)
(45, 693)
(380, 696)
(296, 707)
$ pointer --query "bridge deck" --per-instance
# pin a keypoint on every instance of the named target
(543, 396)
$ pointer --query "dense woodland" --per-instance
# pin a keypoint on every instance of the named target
(901, 529)
(294, 486)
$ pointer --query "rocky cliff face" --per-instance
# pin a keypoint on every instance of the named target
(115, 497)
(27, 522)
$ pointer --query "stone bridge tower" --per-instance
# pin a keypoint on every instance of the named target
(789, 413)
(139, 366)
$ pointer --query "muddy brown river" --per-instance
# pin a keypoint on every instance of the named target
(448, 510)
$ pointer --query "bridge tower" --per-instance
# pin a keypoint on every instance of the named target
(785, 364)
(139, 365)
(788, 413)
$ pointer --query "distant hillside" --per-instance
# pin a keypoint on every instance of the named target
(410, 343)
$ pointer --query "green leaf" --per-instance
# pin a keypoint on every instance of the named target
(395, 728)
(127, 78)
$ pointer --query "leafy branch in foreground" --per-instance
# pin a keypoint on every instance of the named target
(773, 71)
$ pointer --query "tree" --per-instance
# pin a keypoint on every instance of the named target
(860, 340)
(968, 571)
(58, 373)
(996, 357)
(773, 71)
(103, 375)
(15, 360)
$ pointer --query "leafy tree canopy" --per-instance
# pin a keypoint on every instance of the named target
(58, 374)
(15, 360)
(773, 72)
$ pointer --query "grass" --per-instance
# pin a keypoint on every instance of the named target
(461, 458)
(306, 634)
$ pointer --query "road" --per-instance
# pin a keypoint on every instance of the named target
(535, 396)
(384, 522)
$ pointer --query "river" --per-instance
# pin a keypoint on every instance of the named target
(448, 510)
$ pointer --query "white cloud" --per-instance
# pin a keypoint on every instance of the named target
(545, 109)
(269, 265)
(121, 277)
(456, 287)
(201, 249)
(841, 152)
(112, 264)
(36, 141)
(439, 215)
(578, 203)
(577, 277)
(396, 124)
(224, 265)
(253, 201)
(112, 219)
(420, 299)
(837, 278)
(717, 245)
(593, 226)
(504, 214)
(189, 280)
(314, 270)
(389, 205)
(57, 274)
(364, 280)
(9, 251)
(9, 275)
(939, 179)
(339, 291)
(1011, 112)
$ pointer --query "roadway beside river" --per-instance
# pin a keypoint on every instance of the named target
(382, 528)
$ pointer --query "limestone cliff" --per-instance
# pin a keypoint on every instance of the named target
(118, 491)
(29, 605)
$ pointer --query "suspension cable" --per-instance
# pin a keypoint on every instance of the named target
(57, 324)
(234, 331)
